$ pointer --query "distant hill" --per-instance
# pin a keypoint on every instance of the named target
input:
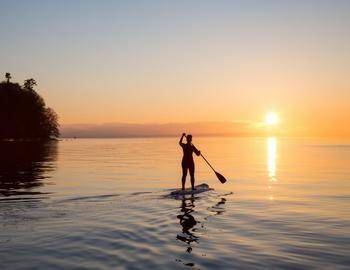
(23, 113)
(120, 130)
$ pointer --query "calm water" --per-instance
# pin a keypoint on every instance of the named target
(103, 204)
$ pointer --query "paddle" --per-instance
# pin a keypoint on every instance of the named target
(218, 175)
(221, 178)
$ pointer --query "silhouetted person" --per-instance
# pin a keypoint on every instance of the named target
(187, 160)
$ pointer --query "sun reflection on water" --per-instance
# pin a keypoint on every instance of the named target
(271, 157)
(271, 163)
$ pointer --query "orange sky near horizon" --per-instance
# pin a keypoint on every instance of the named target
(186, 62)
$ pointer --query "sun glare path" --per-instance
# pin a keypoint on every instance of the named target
(271, 157)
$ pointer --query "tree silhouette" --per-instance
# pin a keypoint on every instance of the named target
(8, 77)
(29, 83)
(23, 113)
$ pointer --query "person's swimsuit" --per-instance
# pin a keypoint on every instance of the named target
(187, 160)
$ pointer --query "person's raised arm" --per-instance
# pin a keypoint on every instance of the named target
(182, 137)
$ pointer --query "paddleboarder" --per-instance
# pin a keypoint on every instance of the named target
(187, 159)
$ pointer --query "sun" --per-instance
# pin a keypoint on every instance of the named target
(271, 119)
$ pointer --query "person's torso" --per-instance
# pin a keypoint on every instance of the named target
(188, 150)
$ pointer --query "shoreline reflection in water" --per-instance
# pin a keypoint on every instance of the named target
(24, 166)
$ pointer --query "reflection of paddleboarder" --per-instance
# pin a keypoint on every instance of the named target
(188, 222)
(187, 160)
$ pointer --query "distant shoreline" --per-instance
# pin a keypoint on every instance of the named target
(29, 140)
(212, 136)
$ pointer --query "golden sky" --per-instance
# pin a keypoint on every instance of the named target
(165, 62)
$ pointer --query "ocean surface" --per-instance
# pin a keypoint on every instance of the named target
(105, 204)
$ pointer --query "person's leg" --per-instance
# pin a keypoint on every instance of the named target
(191, 167)
(184, 174)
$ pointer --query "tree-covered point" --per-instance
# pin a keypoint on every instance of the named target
(23, 113)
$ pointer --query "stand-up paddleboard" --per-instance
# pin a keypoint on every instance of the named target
(188, 191)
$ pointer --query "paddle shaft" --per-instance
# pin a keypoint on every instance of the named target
(205, 160)
(208, 163)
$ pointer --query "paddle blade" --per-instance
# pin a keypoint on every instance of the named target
(220, 177)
